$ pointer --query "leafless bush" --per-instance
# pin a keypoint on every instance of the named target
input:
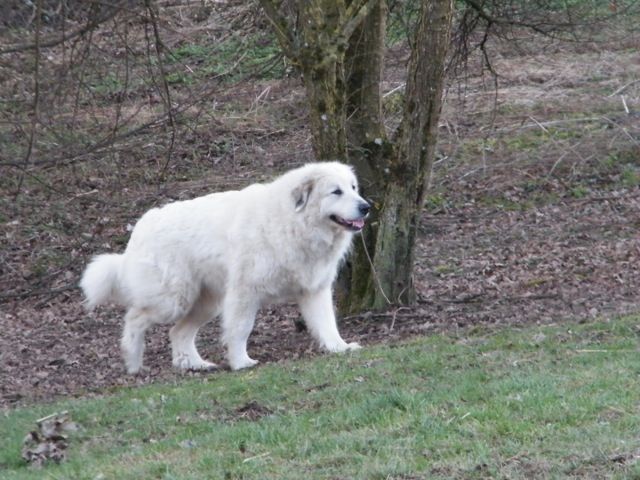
(538, 24)
(102, 96)
(92, 79)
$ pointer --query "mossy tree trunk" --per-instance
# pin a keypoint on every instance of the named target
(321, 59)
(315, 39)
(339, 49)
(402, 167)
(414, 150)
(369, 151)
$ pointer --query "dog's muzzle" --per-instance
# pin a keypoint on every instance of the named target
(357, 224)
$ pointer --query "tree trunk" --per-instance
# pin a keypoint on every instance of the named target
(325, 94)
(400, 175)
(368, 150)
(321, 60)
(339, 48)
(314, 38)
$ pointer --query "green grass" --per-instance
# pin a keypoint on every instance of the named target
(235, 58)
(537, 402)
(107, 84)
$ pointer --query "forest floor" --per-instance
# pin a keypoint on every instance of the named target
(532, 215)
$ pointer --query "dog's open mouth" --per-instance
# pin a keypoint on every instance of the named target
(354, 225)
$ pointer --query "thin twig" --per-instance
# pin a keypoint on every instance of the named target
(605, 198)
(355, 15)
(36, 293)
(63, 38)
(624, 130)
(571, 147)
(165, 83)
(36, 98)
(552, 123)
(394, 314)
(394, 90)
(624, 104)
(119, 101)
(256, 457)
(373, 270)
(623, 88)
(280, 28)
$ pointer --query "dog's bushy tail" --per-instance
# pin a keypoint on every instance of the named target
(100, 280)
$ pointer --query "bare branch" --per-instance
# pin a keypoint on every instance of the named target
(481, 12)
(623, 88)
(165, 83)
(280, 28)
(356, 16)
(552, 24)
(353, 8)
(37, 293)
(36, 96)
(92, 24)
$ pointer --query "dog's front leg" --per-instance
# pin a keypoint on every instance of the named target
(238, 316)
(317, 310)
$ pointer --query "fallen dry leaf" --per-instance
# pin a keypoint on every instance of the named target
(49, 442)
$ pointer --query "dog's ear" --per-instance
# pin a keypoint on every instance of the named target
(302, 193)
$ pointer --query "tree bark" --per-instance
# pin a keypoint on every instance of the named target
(321, 60)
(400, 170)
(339, 48)
(415, 144)
(317, 44)
(368, 150)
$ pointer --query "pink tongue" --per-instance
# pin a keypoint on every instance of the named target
(358, 223)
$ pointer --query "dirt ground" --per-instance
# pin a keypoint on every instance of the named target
(566, 261)
(532, 217)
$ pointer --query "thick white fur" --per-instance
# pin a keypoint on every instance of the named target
(227, 254)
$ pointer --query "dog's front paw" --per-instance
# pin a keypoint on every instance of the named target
(239, 364)
(342, 346)
(186, 362)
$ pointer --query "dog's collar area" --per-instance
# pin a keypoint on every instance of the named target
(353, 225)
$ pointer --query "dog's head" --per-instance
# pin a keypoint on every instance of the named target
(329, 192)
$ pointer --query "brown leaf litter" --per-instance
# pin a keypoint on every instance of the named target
(49, 442)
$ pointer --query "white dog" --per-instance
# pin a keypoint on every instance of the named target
(229, 253)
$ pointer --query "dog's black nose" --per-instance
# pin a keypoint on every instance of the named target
(364, 208)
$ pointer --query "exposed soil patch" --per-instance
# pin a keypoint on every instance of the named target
(568, 260)
(252, 411)
(532, 216)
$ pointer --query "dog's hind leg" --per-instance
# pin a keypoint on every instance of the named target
(238, 317)
(136, 323)
(162, 293)
(319, 316)
(183, 335)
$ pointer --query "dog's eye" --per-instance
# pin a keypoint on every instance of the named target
(353, 187)
(337, 191)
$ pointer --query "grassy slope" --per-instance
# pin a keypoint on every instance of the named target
(538, 402)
